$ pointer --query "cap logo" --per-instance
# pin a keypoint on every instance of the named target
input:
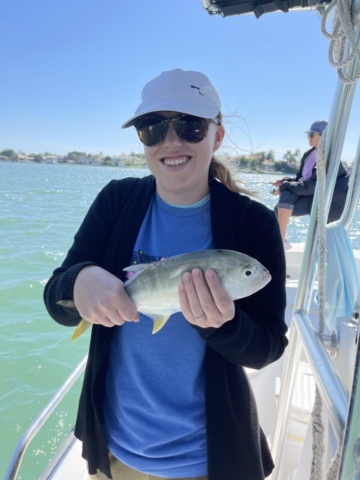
(198, 88)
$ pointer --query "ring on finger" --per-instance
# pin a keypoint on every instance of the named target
(199, 318)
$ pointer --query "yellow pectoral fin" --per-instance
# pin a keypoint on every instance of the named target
(80, 329)
(159, 321)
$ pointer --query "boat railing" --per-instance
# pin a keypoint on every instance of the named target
(302, 333)
(352, 204)
(39, 421)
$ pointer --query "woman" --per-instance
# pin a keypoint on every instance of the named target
(296, 194)
(176, 404)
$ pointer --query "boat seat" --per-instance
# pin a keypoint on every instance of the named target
(304, 394)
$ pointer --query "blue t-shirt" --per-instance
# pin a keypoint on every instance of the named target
(154, 408)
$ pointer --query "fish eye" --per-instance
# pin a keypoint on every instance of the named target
(247, 272)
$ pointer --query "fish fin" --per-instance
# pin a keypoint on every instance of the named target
(159, 321)
(80, 329)
(67, 304)
(140, 267)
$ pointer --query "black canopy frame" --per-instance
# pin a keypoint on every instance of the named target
(226, 8)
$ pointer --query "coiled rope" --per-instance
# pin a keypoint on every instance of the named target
(342, 30)
(318, 428)
(343, 50)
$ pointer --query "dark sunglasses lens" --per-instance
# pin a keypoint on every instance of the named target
(152, 131)
(191, 129)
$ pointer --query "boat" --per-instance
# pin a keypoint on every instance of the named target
(309, 400)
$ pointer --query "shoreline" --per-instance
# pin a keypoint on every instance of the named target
(139, 167)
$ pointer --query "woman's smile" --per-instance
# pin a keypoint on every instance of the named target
(176, 161)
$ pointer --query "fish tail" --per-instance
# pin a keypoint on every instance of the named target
(159, 322)
(80, 329)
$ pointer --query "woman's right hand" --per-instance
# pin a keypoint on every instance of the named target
(100, 298)
(277, 182)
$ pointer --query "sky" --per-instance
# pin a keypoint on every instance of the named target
(71, 72)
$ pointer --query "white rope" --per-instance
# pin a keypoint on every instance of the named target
(342, 31)
(321, 180)
(318, 429)
(342, 35)
(333, 470)
(317, 425)
(318, 439)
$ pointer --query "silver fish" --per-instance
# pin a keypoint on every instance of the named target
(154, 286)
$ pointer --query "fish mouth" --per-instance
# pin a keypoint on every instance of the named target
(264, 280)
(267, 277)
(176, 161)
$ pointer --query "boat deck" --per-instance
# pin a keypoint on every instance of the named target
(67, 462)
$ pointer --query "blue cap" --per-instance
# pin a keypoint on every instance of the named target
(318, 127)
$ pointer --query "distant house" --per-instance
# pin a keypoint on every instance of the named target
(268, 166)
(51, 159)
(127, 160)
(25, 158)
(97, 160)
(85, 160)
(117, 160)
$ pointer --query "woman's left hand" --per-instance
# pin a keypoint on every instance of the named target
(204, 301)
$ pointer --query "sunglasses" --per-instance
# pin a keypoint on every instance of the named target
(311, 134)
(152, 129)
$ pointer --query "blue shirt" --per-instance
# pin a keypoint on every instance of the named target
(154, 408)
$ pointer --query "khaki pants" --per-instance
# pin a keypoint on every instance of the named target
(119, 471)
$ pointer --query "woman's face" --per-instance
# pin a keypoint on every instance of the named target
(314, 139)
(181, 169)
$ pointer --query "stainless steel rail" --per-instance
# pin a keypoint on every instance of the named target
(350, 460)
(352, 200)
(334, 396)
(17, 457)
(327, 380)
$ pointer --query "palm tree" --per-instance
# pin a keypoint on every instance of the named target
(297, 154)
(292, 157)
(270, 155)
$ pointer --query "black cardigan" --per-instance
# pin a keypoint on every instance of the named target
(237, 448)
(307, 187)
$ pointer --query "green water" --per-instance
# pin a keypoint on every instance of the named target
(41, 207)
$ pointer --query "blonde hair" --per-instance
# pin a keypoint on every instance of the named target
(226, 174)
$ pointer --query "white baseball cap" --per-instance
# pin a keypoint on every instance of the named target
(183, 91)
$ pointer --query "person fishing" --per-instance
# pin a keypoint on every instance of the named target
(296, 194)
(177, 404)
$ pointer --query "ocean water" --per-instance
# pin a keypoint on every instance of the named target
(41, 207)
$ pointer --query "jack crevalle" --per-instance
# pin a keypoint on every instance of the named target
(154, 286)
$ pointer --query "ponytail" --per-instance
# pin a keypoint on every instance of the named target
(224, 174)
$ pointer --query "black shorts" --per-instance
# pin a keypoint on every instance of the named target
(300, 205)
